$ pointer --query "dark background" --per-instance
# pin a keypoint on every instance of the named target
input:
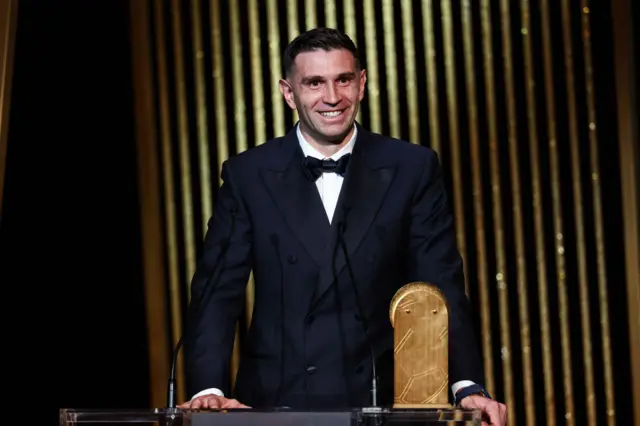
(70, 260)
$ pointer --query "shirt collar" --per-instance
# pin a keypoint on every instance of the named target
(310, 151)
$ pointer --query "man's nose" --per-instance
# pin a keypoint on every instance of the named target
(331, 95)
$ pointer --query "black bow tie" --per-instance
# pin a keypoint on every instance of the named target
(314, 168)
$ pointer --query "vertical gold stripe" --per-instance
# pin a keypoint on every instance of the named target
(483, 280)
(494, 162)
(547, 362)
(257, 81)
(628, 135)
(310, 17)
(452, 104)
(239, 105)
(183, 141)
(169, 189)
(537, 217)
(350, 19)
(516, 208)
(410, 73)
(201, 115)
(168, 176)
(372, 65)
(292, 19)
(149, 180)
(599, 231)
(393, 106)
(292, 29)
(351, 30)
(581, 258)
(219, 87)
(432, 78)
(8, 23)
(235, 355)
(275, 68)
(185, 168)
(330, 13)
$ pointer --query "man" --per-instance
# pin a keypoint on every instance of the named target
(283, 211)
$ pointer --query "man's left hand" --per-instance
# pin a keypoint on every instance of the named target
(493, 412)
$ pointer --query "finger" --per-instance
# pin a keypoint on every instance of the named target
(469, 403)
(231, 403)
(215, 403)
(209, 403)
(237, 404)
(493, 411)
(505, 413)
(195, 404)
(185, 405)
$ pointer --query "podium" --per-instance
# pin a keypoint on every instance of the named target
(419, 314)
(276, 417)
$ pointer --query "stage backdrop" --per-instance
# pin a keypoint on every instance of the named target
(518, 98)
(8, 21)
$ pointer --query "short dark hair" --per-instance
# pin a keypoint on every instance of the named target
(318, 39)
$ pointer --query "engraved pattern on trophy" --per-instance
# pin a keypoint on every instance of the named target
(420, 318)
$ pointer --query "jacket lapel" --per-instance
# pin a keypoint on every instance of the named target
(297, 198)
(363, 192)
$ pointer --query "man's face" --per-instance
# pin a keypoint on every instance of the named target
(326, 88)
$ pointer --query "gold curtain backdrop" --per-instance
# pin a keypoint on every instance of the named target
(507, 92)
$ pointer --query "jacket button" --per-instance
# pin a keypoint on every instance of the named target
(292, 259)
(357, 317)
(311, 369)
(310, 319)
(359, 369)
(370, 258)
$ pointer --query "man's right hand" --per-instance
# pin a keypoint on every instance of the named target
(212, 402)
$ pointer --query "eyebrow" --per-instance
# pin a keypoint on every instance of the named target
(345, 75)
(307, 80)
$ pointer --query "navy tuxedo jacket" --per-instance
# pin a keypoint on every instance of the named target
(306, 347)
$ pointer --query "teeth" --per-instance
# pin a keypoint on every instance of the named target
(331, 114)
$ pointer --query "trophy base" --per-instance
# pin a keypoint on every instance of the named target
(423, 406)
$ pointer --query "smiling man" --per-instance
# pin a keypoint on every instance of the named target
(325, 87)
(286, 210)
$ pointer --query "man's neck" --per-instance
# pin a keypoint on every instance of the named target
(326, 148)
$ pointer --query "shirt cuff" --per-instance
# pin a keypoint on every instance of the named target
(210, 391)
(460, 385)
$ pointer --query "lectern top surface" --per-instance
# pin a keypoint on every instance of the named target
(271, 417)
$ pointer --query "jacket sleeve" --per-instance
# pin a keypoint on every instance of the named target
(434, 258)
(217, 291)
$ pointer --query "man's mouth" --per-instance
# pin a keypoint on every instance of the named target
(331, 114)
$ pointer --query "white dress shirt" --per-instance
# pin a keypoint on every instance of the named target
(329, 186)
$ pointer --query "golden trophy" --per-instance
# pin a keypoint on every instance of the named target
(420, 319)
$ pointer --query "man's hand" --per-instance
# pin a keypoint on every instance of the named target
(212, 402)
(493, 412)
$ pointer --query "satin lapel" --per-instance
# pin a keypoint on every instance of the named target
(362, 195)
(298, 200)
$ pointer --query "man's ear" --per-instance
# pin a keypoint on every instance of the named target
(287, 92)
(362, 82)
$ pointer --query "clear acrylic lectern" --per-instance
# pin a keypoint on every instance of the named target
(279, 417)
